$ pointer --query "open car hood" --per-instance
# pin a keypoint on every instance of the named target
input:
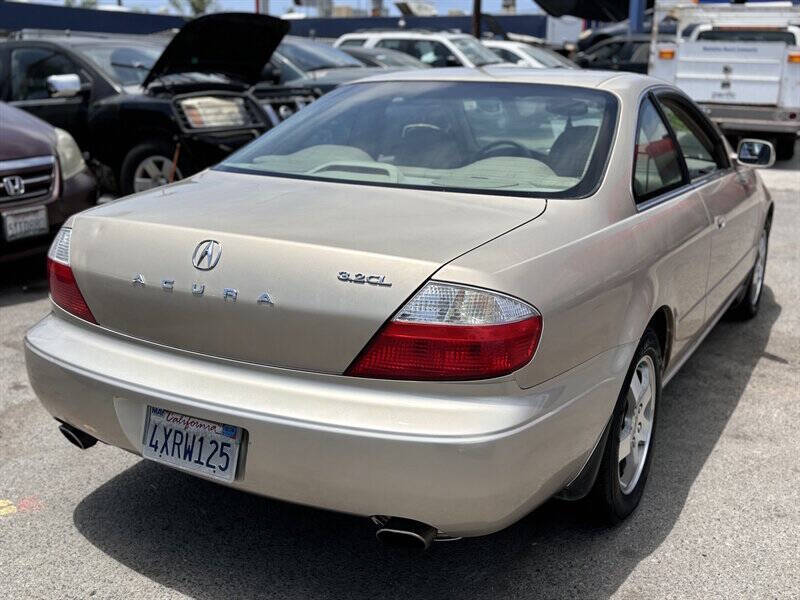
(593, 10)
(205, 45)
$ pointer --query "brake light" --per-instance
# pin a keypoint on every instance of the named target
(451, 332)
(63, 288)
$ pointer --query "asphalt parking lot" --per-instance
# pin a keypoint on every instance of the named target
(720, 517)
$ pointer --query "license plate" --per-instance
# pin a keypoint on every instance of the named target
(24, 223)
(196, 445)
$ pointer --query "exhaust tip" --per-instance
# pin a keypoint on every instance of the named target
(406, 533)
(77, 437)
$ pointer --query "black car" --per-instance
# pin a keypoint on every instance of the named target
(590, 37)
(302, 62)
(146, 109)
(384, 58)
(620, 53)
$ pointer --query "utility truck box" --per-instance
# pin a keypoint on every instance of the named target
(741, 63)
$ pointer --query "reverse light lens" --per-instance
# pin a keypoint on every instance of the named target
(449, 304)
(209, 111)
(63, 288)
(450, 332)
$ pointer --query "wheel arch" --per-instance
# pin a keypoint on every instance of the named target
(663, 324)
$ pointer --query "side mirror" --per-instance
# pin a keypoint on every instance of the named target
(452, 61)
(756, 153)
(63, 86)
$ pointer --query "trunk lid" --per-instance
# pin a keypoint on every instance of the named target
(284, 237)
(205, 45)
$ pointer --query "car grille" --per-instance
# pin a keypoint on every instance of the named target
(27, 178)
(280, 104)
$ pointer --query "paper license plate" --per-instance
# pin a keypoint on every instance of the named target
(25, 223)
(196, 445)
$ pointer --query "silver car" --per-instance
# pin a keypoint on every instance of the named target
(436, 299)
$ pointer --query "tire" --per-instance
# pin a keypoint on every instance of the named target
(784, 146)
(746, 306)
(143, 160)
(621, 482)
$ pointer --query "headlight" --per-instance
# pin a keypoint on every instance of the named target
(69, 155)
(208, 111)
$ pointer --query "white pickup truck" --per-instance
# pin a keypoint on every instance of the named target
(741, 63)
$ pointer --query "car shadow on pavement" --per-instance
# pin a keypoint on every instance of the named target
(209, 541)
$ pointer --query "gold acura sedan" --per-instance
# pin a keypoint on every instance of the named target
(436, 299)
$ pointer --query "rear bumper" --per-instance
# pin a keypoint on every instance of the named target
(768, 119)
(468, 459)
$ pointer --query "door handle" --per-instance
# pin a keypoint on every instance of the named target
(720, 221)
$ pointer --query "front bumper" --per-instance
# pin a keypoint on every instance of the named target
(733, 118)
(75, 194)
(467, 458)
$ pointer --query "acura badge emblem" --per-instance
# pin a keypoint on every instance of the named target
(206, 255)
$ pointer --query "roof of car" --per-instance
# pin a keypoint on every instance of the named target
(503, 43)
(69, 38)
(574, 77)
(406, 33)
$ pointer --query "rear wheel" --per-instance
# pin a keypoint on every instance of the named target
(629, 450)
(746, 306)
(147, 166)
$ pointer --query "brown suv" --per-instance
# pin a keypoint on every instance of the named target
(43, 180)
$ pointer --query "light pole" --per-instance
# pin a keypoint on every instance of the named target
(636, 16)
(476, 18)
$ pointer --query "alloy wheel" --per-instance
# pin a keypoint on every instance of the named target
(154, 171)
(637, 424)
(758, 270)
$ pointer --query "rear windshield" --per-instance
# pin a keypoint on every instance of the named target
(312, 56)
(748, 35)
(508, 138)
(478, 54)
(548, 58)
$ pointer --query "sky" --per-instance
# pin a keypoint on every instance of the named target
(277, 7)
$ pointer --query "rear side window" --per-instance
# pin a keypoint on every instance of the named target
(30, 68)
(353, 42)
(656, 167)
(697, 148)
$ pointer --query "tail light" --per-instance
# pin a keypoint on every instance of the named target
(666, 53)
(63, 287)
(793, 57)
(452, 332)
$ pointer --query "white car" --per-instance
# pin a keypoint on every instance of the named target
(440, 49)
(526, 55)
